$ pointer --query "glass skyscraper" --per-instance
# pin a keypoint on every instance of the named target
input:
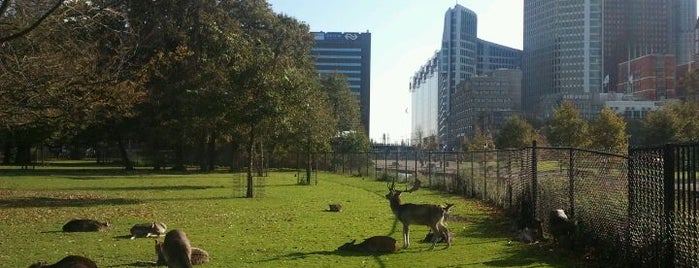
(349, 54)
(572, 48)
(457, 59)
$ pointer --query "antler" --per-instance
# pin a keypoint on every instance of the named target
(416, 186)
(392, 187)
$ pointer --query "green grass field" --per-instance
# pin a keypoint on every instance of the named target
(286, 227)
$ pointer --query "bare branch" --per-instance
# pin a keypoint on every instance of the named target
(5, 5)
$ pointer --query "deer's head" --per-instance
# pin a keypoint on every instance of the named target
(348, 246)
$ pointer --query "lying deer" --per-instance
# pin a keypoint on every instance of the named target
(418, 214)
(374, 244)
(562, 228)
(176, 250)
(72, 261)
(154, 229)
(85, 225)
(198, 256)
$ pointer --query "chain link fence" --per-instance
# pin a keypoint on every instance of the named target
(635, 210)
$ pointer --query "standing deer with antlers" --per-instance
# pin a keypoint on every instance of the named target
(417, 214)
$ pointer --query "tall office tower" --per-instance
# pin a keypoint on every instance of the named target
(594, 37)
(637, 28)
(424, 89)
(349, 54)
(492, 57)
(562, 54)
(684, 18)
(458, 58)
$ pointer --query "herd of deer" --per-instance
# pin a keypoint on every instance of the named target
(408, 214)
(175, 251)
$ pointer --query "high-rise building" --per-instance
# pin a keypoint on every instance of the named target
(457, 60)
(562, 53)
(349, 54)
(463, 56)
(485, 103)
(424, 88)
(572, 48)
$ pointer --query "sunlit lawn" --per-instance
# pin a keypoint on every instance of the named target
(287, 226)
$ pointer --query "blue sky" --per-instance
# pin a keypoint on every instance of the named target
(405, 34)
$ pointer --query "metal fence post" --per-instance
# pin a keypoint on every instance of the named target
(669, 204)
(535, 183)
(571, 182)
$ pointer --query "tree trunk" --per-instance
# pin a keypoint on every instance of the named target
(128, 165)
(178, 164)
(309, 166)
(24, 152)
(251, 156)
(261, 166)
(211, 152)
(7, 152)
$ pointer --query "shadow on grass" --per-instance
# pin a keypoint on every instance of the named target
(303, 255)
(61, 202)
(146, 188)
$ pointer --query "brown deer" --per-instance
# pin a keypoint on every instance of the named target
(72, 261)
(154, 229)
(198, 256)
(374, 244)
(418, 214)
(176, 250)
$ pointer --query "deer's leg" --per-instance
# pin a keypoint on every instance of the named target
(406, 236)
(435, 235)
(446, 235)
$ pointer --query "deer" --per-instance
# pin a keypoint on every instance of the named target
(176, 250)
(71, 261)
(562, 227)
(374, 244)
(85, 225)
(418, 214)
(198, 255)
(154, 229)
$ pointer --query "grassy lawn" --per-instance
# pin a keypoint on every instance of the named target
(286, 227)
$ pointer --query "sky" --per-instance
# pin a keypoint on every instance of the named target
(404, 35)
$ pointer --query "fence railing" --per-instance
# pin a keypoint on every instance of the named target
(638, 210)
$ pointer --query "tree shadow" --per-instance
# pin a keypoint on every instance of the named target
(302, 255)
(146, 188)
(30, 202)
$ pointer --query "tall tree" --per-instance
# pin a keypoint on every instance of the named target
(9, 8)
(481, 141)
(66, 73)
(275, 45)
(516, 133)
(608, 132)
(676, 122)
(567, 128)
(345, 106)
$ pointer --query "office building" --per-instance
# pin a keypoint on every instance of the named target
(649, 78)
(424, 89)
(457, 60)
(572, 49)
(462, 56)
(485, 103)
(349, 54)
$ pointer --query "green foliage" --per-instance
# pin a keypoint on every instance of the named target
(481, 141)
(345, 106)
(608, 132)
(286, 228)
(516, 133)
(567, 128)
(676, 122)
